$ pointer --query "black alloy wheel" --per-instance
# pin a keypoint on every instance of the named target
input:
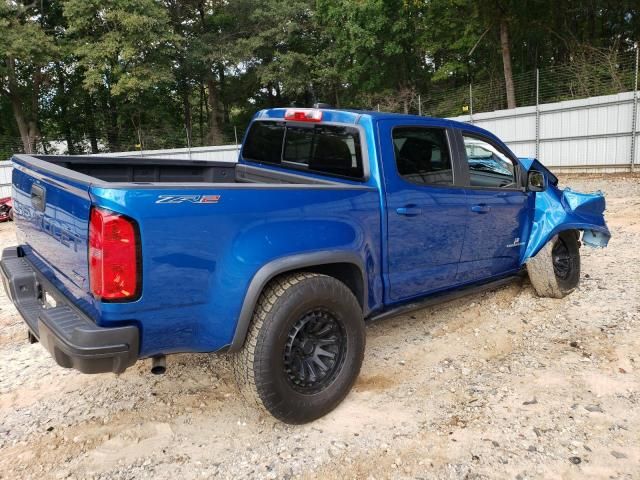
(315, 351)
(304, 347)
(562, 259)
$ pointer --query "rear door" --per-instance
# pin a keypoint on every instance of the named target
(426, 211)
(498, 209)
(51, 211)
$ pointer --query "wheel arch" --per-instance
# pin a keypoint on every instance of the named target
(557, 232)
(593, 236)
(344, 266)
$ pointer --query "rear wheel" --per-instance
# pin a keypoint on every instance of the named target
(555, 270)
(304, 348)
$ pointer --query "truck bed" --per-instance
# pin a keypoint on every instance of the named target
(205, 229)
(141, 170)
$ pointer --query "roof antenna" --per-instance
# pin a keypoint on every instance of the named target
(322, 105)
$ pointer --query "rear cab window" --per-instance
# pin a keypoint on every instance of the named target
(327, 149)
(422, 155)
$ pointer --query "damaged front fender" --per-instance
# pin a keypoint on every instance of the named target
(559, 210)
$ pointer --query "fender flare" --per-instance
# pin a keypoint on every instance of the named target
(594, 236)
(282, 265)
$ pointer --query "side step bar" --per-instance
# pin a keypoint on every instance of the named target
(444, 297)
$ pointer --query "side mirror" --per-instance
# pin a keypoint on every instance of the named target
(536, 181)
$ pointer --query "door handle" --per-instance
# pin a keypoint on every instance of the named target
(409, 210)
(481, 208)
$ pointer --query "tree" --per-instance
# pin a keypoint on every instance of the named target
(506, 63)
(498, 15)
(374, 44)
(124, 50)
(129, 74)
(25, 50)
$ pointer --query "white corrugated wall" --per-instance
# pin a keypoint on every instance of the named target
(224, 153)
(591, 134)
(5, 179)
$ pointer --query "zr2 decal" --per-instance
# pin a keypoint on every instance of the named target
(188, 199)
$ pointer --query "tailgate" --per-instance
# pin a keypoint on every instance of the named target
(52, 217)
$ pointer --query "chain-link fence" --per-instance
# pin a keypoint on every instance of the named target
(590, 74)
(9, 146)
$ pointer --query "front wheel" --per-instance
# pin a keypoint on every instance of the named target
(555, 270)
(304, 348)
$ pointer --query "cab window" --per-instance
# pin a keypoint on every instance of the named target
(422, 155)
(489, 166)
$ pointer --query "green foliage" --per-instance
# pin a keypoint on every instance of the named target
(22, 37)
(124, 45)
(376, 41)
(128, 74)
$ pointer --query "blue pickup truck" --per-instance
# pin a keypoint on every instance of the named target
(330, 218)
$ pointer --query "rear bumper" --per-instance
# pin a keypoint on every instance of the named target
(72, 338)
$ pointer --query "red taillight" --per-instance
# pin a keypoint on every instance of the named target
(113, 256)
(303, 115)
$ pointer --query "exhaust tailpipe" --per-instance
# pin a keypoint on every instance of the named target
(158, 364)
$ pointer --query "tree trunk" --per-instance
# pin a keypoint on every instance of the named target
(64, 110)
(215, 134)
(24, 127)
(28, 128)
(91, 123)
(69, 139)
(110, 111)
(34, 128)
(186, 109)
(223, 96)
(201, 118)
(278, 100)
(506, 62)
(113, 134)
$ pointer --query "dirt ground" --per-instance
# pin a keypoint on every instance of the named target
(496, 385)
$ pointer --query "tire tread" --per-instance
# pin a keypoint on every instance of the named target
(541, 272)
(245, 363)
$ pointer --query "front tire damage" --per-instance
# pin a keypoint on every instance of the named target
(555, 270)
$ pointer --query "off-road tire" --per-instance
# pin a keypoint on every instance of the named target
(547, 278)
(259, 368)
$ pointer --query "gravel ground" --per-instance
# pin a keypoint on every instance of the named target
(496, 385)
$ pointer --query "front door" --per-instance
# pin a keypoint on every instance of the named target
(499, 209)
(426, 211)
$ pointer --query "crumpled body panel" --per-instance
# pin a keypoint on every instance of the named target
(558, 210)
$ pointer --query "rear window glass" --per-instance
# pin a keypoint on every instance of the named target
(264, 142)
(330, 149)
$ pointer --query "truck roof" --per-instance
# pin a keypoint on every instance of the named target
(355, 116)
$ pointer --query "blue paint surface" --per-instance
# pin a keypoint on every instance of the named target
(558, 210)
